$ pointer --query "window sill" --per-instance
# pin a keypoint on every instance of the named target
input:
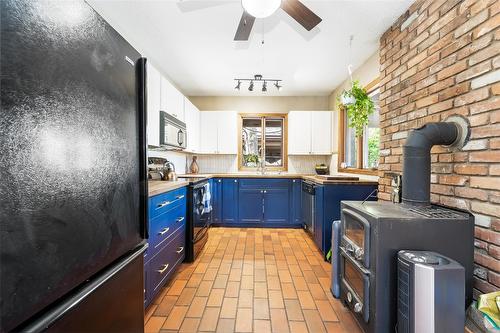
(370, 172)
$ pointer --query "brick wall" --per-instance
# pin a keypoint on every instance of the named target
(442, 58)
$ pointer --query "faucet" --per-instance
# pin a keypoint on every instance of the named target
(262, 167)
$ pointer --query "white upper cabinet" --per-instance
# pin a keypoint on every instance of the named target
(153, 107)
(172, 100)
(309, 133)
(192, 118)
(218, 132)
(227, 132)
(299, 132)
(209, 129)
(321, 129)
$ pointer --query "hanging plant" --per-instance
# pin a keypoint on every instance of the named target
(359, 107)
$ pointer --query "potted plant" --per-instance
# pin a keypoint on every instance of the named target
(358, 105)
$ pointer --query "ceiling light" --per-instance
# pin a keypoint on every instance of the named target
(258, 78)
(261, 8)
(278, 86)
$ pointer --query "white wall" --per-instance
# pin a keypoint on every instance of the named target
(261, 104)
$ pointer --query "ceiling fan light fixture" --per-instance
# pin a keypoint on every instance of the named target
(261, 8)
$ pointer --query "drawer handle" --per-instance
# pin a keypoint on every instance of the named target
(163, 204)
(164, 231)
(162, 270)
(166, 203)
(180, 219)
(181, 248)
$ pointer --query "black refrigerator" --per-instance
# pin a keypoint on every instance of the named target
(73, 178)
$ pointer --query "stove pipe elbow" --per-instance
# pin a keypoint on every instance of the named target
(417, 156)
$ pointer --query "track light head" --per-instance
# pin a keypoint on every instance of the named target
(238, 86)
(264, 87)
(278, 86)
(250, 87)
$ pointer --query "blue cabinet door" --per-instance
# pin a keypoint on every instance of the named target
(230, 200)
(250, 202)
(276, 205)
(216, 184)
(296, 202)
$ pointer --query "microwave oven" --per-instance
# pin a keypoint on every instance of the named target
(172, 131)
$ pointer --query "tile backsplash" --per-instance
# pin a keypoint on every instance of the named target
(217, 163)
(229, 163)
(306, 163)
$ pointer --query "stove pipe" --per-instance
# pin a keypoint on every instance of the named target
(417, 156)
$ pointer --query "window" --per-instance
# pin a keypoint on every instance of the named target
(262, 140)
(361, 155)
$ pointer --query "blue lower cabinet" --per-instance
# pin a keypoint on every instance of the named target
(319, 215)
(230, 200)
(163, 264)
(277, 205)
(167, 239)
(250, 203)
(296, 201)
(216, 184)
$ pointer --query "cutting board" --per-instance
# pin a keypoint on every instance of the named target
(336, 177)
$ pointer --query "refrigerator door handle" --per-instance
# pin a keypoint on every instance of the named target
(142, 110)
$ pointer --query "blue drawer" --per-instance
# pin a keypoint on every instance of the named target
(165, 202)
(162, 227)
(264, 183)
(162, 265)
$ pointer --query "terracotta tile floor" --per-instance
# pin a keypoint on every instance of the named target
(251, 280)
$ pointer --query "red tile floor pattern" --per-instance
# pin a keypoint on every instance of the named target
(252, 280)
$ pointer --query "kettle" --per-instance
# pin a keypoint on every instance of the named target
(170, 174)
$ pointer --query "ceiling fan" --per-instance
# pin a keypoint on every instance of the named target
(253, 9)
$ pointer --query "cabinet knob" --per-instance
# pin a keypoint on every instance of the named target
(265, 191)
(219, 180)
(358, 307)
(236, 180)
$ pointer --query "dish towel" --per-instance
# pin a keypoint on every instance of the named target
(207, 199)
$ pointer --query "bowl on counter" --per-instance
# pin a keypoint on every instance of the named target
(322, 169)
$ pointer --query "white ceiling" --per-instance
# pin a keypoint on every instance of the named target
(191, 41)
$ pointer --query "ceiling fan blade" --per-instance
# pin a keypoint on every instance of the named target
(300, 13)
(245, 27)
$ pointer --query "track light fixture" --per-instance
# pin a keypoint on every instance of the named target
(259, 78)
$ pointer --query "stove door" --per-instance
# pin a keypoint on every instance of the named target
(355, 288)
(356, 236)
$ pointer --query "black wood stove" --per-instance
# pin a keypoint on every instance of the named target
(374, 232)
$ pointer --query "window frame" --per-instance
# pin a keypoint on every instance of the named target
(263, 116)
(370, 87)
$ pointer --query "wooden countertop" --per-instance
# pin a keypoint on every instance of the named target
(285, 175)
(156, 187)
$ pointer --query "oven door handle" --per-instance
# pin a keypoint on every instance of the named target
(354, 262)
